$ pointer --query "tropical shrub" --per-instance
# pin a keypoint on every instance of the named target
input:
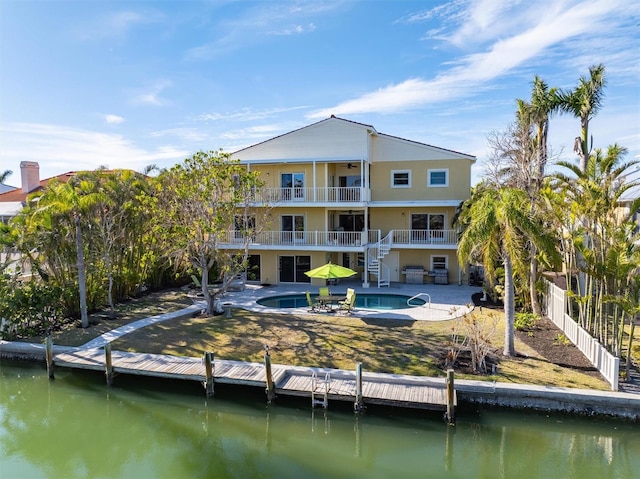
(525, 321)
(30, 309)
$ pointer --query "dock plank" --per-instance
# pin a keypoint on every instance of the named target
(409, 391)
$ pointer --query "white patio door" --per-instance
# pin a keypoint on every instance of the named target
(392, 260)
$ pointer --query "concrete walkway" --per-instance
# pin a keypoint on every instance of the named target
(114, 334)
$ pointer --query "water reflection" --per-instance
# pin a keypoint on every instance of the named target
(77, 427)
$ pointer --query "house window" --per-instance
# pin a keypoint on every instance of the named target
(438, 178)
(253, 267)
(426, 227)
(401, 179)
(244, 226)
(292, 186)
(292, 269)
(438, 262)
(292, 228)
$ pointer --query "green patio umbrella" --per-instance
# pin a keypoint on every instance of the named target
(330, 271)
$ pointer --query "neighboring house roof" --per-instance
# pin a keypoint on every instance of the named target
(4, 188)
(17, 195)
(10, 208)
(630, 195)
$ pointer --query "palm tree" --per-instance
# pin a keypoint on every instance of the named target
(533, 122)
(4, 175)
(64, 203)
(498, 224)
(601, 239)
(584, 102)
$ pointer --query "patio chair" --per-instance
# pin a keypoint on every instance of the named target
(323, 291)
(348, 304)
(313, 307)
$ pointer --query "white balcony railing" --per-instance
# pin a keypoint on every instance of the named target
(425, 237)
(301, 238)
(343, 238)
(323, 195)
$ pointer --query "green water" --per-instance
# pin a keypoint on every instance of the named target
(77, 427)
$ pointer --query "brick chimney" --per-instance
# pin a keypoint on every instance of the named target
(30, 172)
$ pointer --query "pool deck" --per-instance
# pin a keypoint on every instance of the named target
(447, 301)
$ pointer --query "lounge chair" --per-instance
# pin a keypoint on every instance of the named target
(313, 307)
(348, 304)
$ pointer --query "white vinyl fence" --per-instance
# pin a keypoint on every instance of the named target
(603, 360)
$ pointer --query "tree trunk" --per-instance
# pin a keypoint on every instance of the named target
(112, 307)
(209, 298)
(533, 279)
(509, 307)
(627, 367)
(82, 277)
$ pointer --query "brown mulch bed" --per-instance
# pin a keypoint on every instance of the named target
(548, 341)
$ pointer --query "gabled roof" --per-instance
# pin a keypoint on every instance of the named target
(419, 143)
(364, 126)
(312, 125)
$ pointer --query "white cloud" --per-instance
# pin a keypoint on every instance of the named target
(246, 114)
(113, 119)
(293, 30)
(186, 134)
(118, 24)
(473, 73)
(151, 96)
(61, 148)
(254, 133)
(263, 19)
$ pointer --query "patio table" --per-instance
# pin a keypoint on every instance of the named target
(327, 302)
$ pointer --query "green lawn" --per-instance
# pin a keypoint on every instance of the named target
(333, 341)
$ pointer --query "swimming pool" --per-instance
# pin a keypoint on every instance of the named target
(363, 301)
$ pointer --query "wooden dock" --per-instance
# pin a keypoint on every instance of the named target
(320, 384)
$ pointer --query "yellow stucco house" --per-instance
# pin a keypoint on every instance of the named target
(341, 191)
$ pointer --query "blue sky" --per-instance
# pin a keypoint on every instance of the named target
(128, 84)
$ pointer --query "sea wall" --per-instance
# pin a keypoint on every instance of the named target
(549, 399)
(469, 392)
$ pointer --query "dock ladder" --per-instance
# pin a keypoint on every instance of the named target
(319, 398)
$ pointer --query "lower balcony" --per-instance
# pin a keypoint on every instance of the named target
(343, 240)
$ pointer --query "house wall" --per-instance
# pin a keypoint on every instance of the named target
(459, 176)
(314, 218)
(269, 262)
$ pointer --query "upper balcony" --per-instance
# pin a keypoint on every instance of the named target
(303, 196)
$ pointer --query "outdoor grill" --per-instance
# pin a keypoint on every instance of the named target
(414, 274)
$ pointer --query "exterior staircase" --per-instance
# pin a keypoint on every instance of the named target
(375, 254)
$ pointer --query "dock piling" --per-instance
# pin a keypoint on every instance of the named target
(271, 390)
(48, 355)
(108, 364)
(209, 366)
(359, 406)
(450, 398)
